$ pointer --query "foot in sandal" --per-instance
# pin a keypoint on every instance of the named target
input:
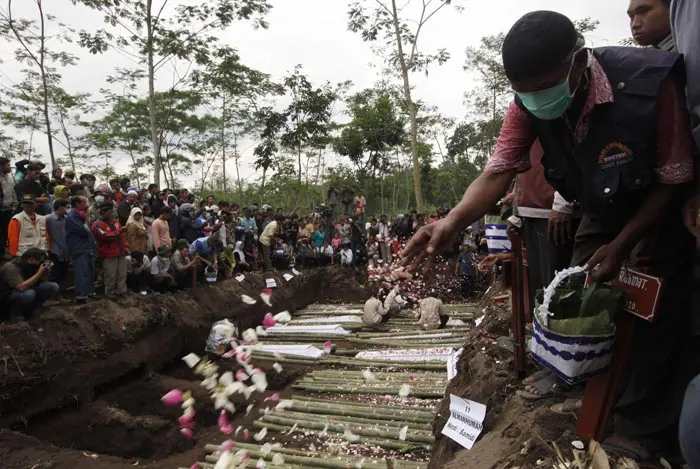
(543, 388)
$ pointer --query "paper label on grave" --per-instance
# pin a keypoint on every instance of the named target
(270, 283)
(240, 278)
(466, 421)
(452, 363)
(296, 272)
(288, 277)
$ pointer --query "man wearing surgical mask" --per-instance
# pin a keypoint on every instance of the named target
(613, 128)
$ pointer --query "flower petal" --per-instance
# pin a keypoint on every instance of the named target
(172, 398)
(261, 434)
(248, 300)
(405, 390)
(403, 433)
(191, 360)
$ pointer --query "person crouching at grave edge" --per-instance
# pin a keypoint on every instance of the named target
(24, 284)
(373, 312)
(394, 303)
(432, 314)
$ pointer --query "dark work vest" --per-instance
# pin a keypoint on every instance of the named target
(611, 171)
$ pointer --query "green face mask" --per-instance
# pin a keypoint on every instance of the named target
(551, 103)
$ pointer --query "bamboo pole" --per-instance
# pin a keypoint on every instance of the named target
(340, 428)
(386, 444)
(425, 394)
(354, 420)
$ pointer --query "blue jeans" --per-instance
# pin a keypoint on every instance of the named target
(689, 426)
(24, 303)
(84, 267)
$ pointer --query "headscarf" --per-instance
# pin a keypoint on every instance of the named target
(57, 191)
(239, 250)
(131, 219)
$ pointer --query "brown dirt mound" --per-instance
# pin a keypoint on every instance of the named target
(486, 376)
(90, 377)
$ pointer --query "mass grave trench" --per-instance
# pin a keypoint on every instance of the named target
(89, 377)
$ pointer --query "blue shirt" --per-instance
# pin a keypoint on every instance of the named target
(201, 246)
(319, 238)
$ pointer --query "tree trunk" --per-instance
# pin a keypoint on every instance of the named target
(223, 140)
(151, 94)
(235, 159)
(299, 158)
(412, 109)
(45, 84)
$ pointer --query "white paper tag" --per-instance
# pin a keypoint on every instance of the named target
(466, 421)
(296, 272)
(288, 277)
(270, 283)
(452, 363)
(240, 278)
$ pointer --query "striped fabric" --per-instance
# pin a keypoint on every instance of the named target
(497, 238)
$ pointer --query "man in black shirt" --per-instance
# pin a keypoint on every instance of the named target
(30, 185)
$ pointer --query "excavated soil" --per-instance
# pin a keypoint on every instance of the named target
(80, 386)
(516, 433)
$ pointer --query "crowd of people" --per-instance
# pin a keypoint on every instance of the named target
(151, 240)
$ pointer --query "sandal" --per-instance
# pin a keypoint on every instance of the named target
(544, 388)
(536, 376)
(569, 406)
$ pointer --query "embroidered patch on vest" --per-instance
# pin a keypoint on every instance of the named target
(615, 154)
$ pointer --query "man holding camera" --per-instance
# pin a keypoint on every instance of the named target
(24, 284)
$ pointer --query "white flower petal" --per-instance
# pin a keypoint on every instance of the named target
(248, 300)
(261, 434)
(277, 459)
(350, 436)
(191, 360)
(405, 390)
(226, 379)
(225, 460)
(249, 408)
(266, 299)
(284, 404)
(403, 433)
(369, 376)
(277, 367)
(283, 317)
(266, 449)
(260, 464)
(260, 331)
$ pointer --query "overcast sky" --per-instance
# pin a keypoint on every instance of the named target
(314, 33)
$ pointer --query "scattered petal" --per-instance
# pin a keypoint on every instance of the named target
(225, 461)
(248, 300)
(269, 321)
(185, 421)
(260, 464)
(324, 432)
(250, 336)
(405, 390)
(284, 404)
(277, 459)
(260, 331)
(266, 449)
(266, 299)
(187, 432)
(350, 436)
(283, 317)
(274, 397)
(223, 419)
(230, 354)
(172, 398)
(249, 408)
(328, 347)
(369, 376)
(191, 360)
(241, 375)
(403, 433)
(228, 445)
(261, 434)
(277, 367)
(293, 429)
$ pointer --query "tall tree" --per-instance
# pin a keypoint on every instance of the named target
(36, 101)
(141, 29)
(237, 92)
(401, 33)
(309, 116)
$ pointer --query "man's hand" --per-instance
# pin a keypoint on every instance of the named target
(608, 259)
(44, 267)
(691, 215)
(493, 259)
(428, 242)
(508, 199)
(560, 227)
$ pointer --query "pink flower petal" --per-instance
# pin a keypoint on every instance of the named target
(187, 433)
(227, 445)
(223, 419)
(230, 354)
(241, 375)
(226, 429)
(172, 398)
(246, 435)
(269, 321)
(328, 347)
(274, 397)
(186, 421)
